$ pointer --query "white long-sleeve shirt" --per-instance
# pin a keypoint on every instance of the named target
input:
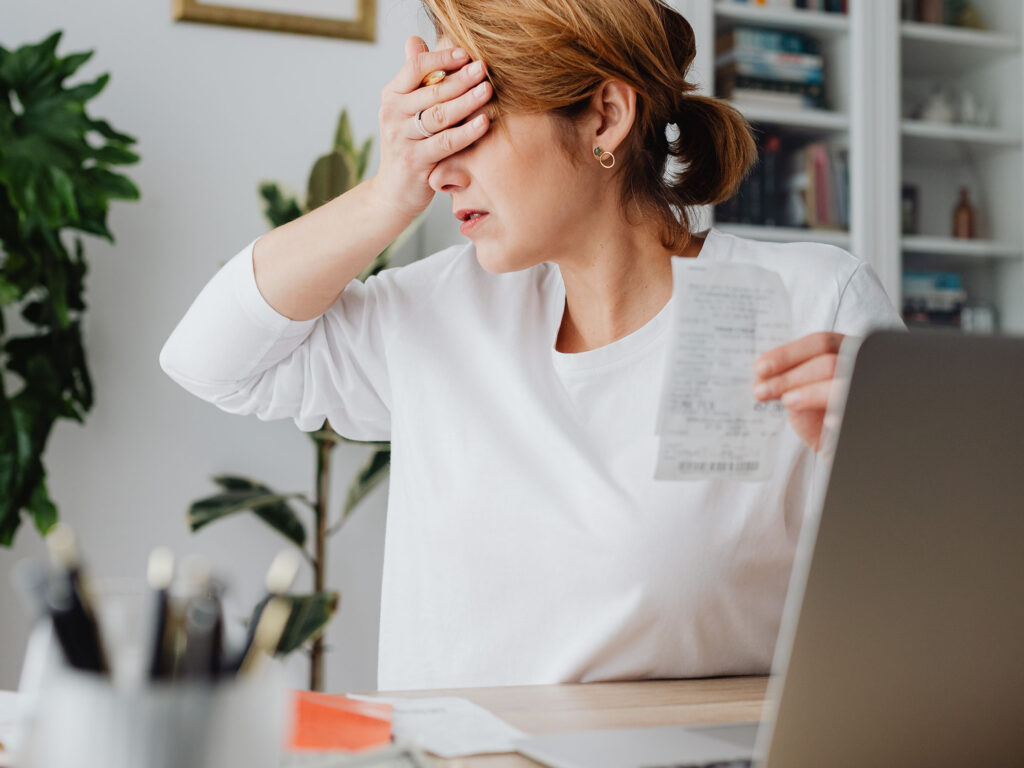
(527, 541)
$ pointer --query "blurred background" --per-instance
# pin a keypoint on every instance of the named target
(891, 129)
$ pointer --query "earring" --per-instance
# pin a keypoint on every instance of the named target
(600, 154)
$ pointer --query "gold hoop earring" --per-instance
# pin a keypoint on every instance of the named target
(600, 154)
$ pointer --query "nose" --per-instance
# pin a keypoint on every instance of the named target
(449, 176)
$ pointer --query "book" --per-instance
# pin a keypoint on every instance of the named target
(783, 72)
(763, 39)
(766, 57)
(794, 185)
(746, 97)
(734, 86)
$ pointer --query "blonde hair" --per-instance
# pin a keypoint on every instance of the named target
(552, 55)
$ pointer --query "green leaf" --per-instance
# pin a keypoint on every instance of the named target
(9, 293)
(114, 184)
(70, 64)
(277, 208)
(27, 66)
(103, 127)
(10, 519)
(310, 615)
(65, 191)
(87, 91)
(115, 154)
(343, 135)
(332, 175)
(243, 495)
(42, 509)
(370, 475)
(239, 483)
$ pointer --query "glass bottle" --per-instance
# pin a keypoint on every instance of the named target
(963, 217)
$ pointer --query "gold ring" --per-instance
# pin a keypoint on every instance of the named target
(434, 77)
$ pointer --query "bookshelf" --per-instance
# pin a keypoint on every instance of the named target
(879, 71)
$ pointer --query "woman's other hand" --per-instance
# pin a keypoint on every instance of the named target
(407, 155)
(801, 374)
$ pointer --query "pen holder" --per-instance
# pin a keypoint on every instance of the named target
(75, 719)
(87, 722)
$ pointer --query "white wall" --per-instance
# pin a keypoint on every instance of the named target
(216, 110)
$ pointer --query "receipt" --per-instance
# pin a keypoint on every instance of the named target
(449, 727)
(724, 316)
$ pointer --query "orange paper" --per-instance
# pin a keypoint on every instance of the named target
(325, 723)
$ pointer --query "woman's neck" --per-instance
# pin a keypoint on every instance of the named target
(614, 284)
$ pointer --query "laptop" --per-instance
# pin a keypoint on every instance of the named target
(902, 640)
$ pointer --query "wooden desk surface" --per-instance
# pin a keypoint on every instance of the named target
(546, 708)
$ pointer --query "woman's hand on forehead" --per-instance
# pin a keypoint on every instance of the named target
(421, 125)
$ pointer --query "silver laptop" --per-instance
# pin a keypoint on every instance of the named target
(903, 635)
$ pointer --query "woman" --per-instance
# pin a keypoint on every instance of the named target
(518, 376)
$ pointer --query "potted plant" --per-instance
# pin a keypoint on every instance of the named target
(52, 180)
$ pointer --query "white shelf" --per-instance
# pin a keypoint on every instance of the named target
(972, 134)
(802, 20)
(931, 49)
(925, 142)
(944, 34)
(787, 234)
(949, 246)
(812, 119)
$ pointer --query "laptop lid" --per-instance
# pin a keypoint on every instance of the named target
(906, 643)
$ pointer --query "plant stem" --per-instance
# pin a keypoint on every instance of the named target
(323, 480)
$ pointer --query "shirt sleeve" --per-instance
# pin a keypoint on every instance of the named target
(234, 350)
(864, 305)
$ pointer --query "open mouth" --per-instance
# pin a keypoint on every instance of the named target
(470, 219)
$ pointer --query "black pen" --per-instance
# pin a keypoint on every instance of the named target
(159, 575)
(69, 606)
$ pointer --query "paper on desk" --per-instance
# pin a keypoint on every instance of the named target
(710, 425)
(449, 727)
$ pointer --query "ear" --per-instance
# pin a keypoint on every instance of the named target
(613, 110)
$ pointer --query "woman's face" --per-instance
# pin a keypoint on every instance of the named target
(534, 200)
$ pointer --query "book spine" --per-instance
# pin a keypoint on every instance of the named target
(797, 74)
(812, 93)
(765, 57)
(758, 39)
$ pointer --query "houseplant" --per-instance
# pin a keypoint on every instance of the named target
(332, 174)
(52, 180)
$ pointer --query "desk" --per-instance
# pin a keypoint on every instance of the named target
(578, 707)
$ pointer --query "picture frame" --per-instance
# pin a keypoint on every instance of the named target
(356, 19)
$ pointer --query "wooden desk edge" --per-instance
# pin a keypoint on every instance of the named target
(537, 709)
